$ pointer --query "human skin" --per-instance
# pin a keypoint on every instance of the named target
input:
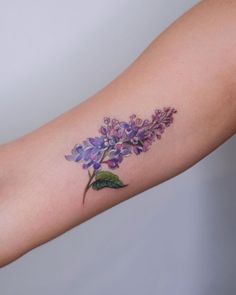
(190, 67)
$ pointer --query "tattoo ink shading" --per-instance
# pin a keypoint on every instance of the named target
(117, 140)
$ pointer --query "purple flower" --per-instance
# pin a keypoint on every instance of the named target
(76, 153)
(119, 139)
(116, 155)
(93, 152)
(90, 154)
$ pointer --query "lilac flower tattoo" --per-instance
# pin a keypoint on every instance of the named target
(116, 141)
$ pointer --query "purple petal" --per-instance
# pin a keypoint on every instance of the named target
(69, 157)
(112, 164)
(137, 149)
(87, 165)
(96, 165)
(87, 153)
(103, 130)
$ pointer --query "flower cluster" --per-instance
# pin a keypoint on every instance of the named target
(120, 139)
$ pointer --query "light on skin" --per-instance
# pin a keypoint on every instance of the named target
(191, 67)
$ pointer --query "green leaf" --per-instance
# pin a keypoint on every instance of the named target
(106, 179)
(101, 174)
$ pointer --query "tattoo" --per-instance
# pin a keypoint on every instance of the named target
(117, 140)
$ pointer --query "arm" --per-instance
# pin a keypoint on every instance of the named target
(191, 67)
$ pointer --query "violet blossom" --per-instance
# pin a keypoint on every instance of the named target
(119, 139)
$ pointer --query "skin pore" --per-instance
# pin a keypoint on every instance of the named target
(191, 67)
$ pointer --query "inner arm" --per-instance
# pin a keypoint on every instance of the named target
(184, 82)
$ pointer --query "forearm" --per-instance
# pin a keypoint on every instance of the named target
(191, 67)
